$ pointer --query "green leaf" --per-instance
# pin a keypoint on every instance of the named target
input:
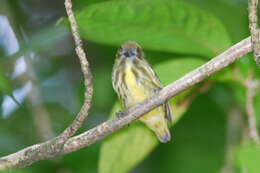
(124, 149)
(248, 157)
(5, 86)
(172, 70)
(5, 83)
(79, 4)
(227, 11)
(160, 25)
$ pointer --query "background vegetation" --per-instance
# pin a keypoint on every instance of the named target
(39, 68)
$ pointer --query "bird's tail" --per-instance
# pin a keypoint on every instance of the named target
(163, 134)
(157, 122)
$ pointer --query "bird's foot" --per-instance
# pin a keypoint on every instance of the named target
(120, 114)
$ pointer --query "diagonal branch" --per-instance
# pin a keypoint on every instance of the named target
(23, 157)
(255, 33)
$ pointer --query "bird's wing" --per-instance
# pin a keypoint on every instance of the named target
(158, 86)
(168, 112)
(149, 71)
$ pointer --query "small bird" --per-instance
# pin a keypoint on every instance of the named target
(134, 81)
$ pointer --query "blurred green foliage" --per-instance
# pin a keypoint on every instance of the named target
(5, 86)
(197, 146)
(248, 156)
(177, 36)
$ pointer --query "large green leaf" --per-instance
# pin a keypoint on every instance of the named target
(227, 11)
(248, 157)
(80, 4)
(124, 149)
(161, 25)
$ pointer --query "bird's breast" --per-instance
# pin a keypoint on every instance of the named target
(136, 92)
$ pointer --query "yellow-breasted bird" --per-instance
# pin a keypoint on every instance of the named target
(135, 81)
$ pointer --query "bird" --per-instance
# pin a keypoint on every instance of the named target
(134, 81)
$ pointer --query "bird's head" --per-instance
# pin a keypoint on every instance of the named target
(130, 50)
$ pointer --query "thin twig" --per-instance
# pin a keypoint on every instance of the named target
(251, 87)
(43, 151)
(83, 113)
(57, 143)
(255, 33)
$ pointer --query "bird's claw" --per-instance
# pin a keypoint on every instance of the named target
(119, 114)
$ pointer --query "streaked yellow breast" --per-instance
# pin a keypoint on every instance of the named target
(136, 93)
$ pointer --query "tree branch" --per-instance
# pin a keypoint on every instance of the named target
(43, 151)
(83, 113)
(251, 87)
(255, 33)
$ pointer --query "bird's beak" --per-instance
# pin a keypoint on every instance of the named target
(129, 54)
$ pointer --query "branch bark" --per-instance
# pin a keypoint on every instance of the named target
(83, 113)
(43, 151)
(255, 33)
